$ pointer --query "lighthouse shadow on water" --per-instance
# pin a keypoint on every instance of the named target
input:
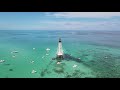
(68, 57)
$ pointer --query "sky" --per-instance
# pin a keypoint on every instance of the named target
(59, 20)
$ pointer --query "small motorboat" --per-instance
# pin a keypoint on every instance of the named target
(47, 49)
(33, 71)
(14, 52)
(2, 61)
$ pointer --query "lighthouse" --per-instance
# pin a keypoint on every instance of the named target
(59, 50)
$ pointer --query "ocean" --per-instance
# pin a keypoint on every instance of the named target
(88, 54)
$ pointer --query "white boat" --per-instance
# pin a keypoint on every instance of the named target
(2, 61)
(14, 52)
(47, 49)
(31, 61)
(74, 66)
(33, 71)
(33, 48)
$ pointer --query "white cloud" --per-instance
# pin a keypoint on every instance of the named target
(76, 25)
(84, 14)
(66, 25)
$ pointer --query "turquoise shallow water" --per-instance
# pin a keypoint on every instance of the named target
(98, 53)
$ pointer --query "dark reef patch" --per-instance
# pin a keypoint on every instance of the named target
(7, 64)
(104, 64)
(43, 72)
(75, 74)
(10, 69)
(59, 68)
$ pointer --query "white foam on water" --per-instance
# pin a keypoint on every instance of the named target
(58, 63)
(43, 56)
(47, 54)
(13, 56)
